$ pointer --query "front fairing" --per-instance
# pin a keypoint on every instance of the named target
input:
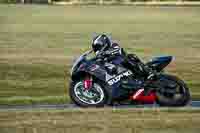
(99, 72)
(80, 61)
(76, 64)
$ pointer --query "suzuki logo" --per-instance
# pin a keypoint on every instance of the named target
(118, 78)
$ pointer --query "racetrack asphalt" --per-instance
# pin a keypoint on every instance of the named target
(193, 104)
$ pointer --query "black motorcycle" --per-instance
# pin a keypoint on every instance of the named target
(98, 82)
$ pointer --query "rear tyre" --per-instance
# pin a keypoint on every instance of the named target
(180, 98)
(94, 97)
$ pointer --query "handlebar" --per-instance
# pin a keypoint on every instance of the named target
(87, 52)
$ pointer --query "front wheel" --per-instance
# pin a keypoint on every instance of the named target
(179, 96)
(94, 97)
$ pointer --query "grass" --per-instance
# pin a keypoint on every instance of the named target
(38, 44)
(91, 120)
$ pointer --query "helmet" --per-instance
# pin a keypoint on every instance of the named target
(101, 43)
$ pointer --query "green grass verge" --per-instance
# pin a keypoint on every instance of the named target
(25, 100)
(38, 44)
(183, 120)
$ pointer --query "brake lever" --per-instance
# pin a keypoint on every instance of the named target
(151, 76)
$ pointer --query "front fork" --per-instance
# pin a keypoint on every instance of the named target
(88, 82)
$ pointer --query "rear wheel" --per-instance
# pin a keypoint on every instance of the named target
(93, 97)
(180, 95)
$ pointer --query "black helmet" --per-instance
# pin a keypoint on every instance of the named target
(101, 42)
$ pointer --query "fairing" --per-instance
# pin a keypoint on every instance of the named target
(159, 63)
(112, 81)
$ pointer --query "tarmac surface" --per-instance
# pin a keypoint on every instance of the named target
(193, 104)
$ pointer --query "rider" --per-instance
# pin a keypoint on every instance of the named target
(104, 48)
(110, 51)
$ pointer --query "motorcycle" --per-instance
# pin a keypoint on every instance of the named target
(97, 82)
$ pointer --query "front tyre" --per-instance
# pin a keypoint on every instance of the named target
(181, 97)
(94, 97)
